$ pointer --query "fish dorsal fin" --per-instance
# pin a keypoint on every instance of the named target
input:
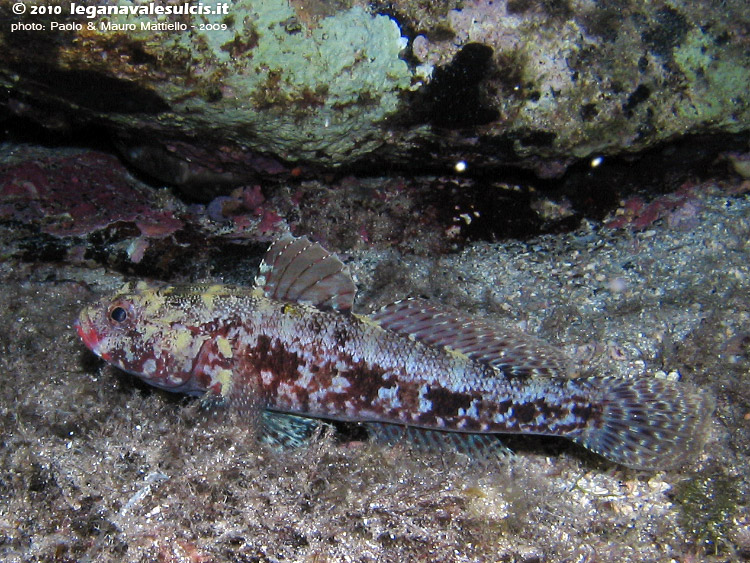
(513, 352)
(297, 270)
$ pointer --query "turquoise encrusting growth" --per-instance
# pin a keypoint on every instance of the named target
(306, 90)
(292, 345)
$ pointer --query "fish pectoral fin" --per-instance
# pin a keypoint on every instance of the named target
(284, 431)
(511, 351)
(301, 271)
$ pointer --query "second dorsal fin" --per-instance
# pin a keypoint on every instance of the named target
(297, 270)
(513, 352)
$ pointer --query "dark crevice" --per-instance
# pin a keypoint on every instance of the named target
(91, 90)
(454, 99)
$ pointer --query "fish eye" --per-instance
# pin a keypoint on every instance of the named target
(118, 314)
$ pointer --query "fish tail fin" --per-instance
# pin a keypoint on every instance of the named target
(648, 423)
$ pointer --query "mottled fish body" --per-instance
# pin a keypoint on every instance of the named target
(292, 345)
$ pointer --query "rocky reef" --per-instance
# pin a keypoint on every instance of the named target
(247, 89)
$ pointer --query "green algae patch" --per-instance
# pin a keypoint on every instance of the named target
(718, 79)
(708, 505)
(312, 89)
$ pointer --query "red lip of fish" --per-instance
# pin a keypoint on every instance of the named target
(292, 345)
(90, 337)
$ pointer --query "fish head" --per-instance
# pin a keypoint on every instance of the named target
(143, 332)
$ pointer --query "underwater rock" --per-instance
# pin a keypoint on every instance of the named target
(241, 91)
(85, 207)
(79, 194)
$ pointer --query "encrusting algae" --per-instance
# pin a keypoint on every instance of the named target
(292, 345)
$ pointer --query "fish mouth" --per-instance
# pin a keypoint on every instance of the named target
(88, 335)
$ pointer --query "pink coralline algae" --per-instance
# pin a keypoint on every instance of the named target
(248, 211)
(80, 194)
(680, 209)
